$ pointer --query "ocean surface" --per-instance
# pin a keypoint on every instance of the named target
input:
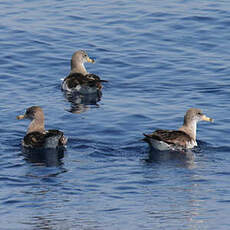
(160, 58)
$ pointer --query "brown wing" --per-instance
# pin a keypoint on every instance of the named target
(90, 80)
(94, 77)
(74, 80)
(51, 138)
(34, 139)
(170, 137)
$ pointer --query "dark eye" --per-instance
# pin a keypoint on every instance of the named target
(28, 112)
(199, 113)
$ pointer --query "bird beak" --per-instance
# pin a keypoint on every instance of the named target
(205, 118)
(90, 60)
(20, 117)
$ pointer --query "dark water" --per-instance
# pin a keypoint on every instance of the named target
(160, 58)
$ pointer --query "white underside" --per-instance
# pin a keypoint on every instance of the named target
(162, 146)
(79, 89)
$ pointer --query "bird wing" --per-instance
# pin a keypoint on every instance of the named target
(94, 77)
(51, 138)
(75, 79)
(34, 139)
(174, 137)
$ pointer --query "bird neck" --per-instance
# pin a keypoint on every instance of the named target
(190, 129)
(78, 68)
(37, 125)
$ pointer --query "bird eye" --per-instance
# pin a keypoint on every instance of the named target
(29, 112)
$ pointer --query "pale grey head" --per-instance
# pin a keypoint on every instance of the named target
(195, 115)
(77, 62)
(31, 113)
(191, 118)
(34, 113)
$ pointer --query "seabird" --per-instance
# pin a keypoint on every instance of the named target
(37, 136)
(79, 80)
(184, 138)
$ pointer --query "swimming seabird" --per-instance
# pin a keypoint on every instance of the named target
(37, 136)
(79, 80)
(184, 138)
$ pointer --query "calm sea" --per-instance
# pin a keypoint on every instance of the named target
(160, 58)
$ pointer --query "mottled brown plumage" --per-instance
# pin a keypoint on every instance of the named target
(79, 80)
(171, 137)
(37, 136)
(88, 80)
(185, 137)
(49, 139)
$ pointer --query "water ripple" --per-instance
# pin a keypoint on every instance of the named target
(160, 59)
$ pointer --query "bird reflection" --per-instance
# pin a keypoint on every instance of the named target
(81, 103)
(47, 157)
(184, 157)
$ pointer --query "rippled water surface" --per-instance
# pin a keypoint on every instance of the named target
(160, 58)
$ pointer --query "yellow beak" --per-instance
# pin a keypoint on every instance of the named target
(90, 60)
(205, 118)
(20, 117)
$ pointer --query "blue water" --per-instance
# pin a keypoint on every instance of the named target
(160, 58)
